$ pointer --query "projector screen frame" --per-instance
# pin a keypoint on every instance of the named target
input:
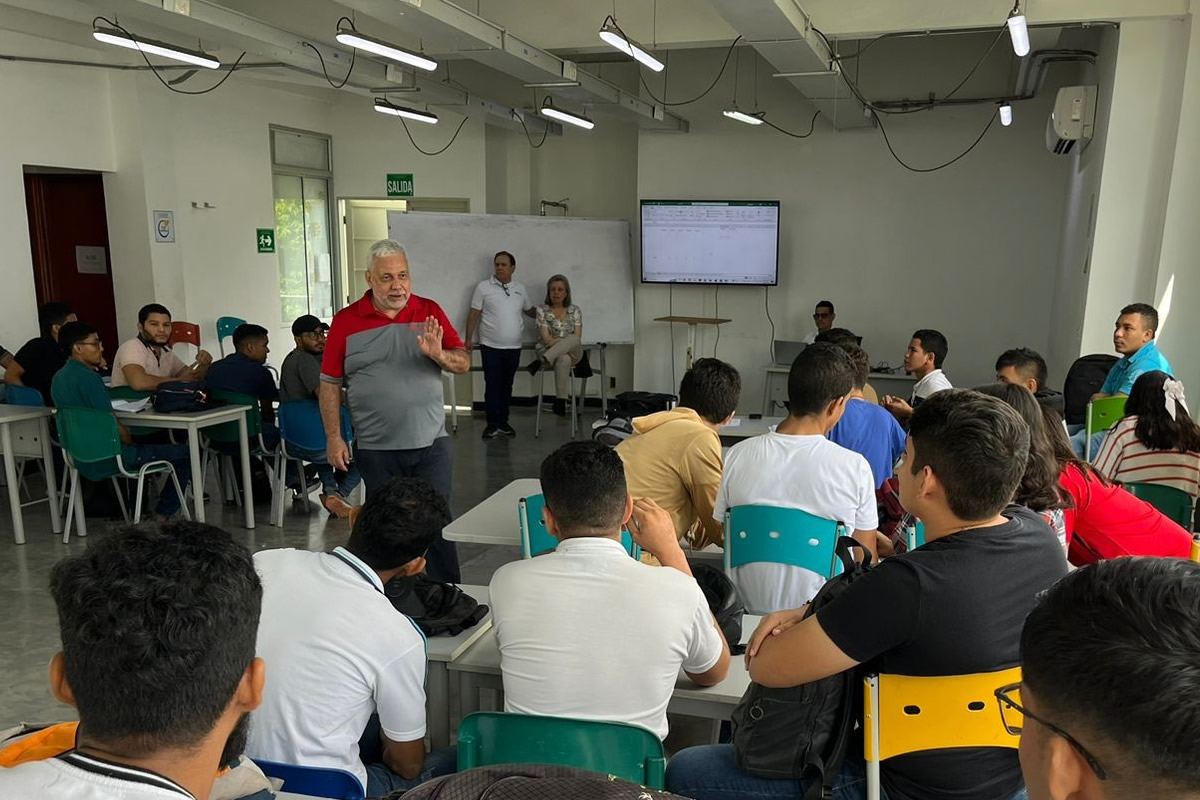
(642, 202)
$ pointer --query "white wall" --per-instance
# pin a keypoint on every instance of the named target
(970, 250)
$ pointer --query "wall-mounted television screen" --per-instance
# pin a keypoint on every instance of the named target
(721, 242)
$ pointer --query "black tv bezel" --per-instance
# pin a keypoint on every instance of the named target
(682, 201)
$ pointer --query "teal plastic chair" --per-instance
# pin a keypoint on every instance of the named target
(1101, 415)
(777, 535)
(613, 748)
(1173, 503)
(92, 447)
(313, 781)
(226, 327)
(227, 433)
(915, 535)
(535, 539)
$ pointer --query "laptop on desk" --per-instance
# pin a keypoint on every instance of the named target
(786, 351)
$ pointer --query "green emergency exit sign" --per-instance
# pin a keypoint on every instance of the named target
(399, 184)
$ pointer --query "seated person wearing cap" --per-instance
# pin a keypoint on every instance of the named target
(299, 380)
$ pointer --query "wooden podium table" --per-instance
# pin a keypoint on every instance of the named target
(692, 322)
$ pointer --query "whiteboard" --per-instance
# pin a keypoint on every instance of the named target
(448, 254)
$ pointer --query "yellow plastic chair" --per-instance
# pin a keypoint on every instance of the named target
(1102, 414)
(909, 714)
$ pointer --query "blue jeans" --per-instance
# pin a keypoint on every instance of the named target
(1079, 442)
(711, 772)
(382, 781)
(330, 485)
(177, 454)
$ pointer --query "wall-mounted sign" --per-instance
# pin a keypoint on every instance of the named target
(399, 184)
(164, 226)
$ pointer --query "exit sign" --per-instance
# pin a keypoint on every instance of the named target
(399, 184)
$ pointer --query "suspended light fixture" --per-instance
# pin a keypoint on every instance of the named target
(359, 41)
(548, 109)
(1006, 115)
(613, 36)
(1018, 29)
(154, 48)
(741, 116)
(384, 106)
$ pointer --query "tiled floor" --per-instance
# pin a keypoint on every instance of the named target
(28, 624)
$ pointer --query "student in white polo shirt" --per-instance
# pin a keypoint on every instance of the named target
(924, 357)
(158, 628)
(588, 632)
(499, 307)
(796, 466)
(341, 655)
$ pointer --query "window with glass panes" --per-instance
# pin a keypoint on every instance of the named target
(302, 172)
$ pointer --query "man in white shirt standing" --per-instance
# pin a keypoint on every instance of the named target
(796, 466)
(498, 310)
(924, 358)
(823, 317)
(158, 628)
(588, 632)
(342, 656)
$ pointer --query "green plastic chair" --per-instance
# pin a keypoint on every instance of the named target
(1102, 414)
(613, 748)
(227, 433)
(1173, 503)
(91, 444)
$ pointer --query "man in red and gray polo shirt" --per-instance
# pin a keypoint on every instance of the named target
(388, 351)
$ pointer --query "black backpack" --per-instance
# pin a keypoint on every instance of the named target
(179, 396)
(439, 609)
(639, 404)
(530, 782)
(723, 600)
(802, 732)
(1084, 379)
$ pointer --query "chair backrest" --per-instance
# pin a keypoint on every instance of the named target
(228, 431)
(626, 751)
(15, 395)
(301, 427)
(88, 435)
(314, 781)
(225, 327)
(910, 714)
(1173, 503)
(1102, 414)
(188, 332)
(781, 536)
(535, 539)
(915, 534)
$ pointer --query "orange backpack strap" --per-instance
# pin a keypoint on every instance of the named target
(48, 742)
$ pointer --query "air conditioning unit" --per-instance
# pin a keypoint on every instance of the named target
(1073, 120)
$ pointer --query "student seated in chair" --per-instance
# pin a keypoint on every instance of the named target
(796, 466)
(243, 372)
(924, 358)
(1109, 684)
(953, 606)
(300, 380)
(348, 669)
(865, 427)
(36, 363)
(158, 629)
(146, 361)
(1025, 367)
(588, 632)
(674, 457)
(78, 385)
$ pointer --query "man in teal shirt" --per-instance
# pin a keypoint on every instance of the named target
(77, 385)
(1134, 340)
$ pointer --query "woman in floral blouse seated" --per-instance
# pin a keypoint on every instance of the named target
(560, 338)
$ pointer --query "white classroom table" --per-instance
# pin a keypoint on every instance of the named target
(494, 521)
(192, 422)
(25, 446)
(442, 652)
(744, 427)
(884, 383)
(479, 668)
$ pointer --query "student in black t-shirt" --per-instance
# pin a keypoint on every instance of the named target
(1111, 677)
(39, 359)
(953, 606)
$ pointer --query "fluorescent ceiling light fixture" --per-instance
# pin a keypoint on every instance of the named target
(552, 85)
(578, 120)
(1006, 115)
(359, 41)
(385, 107)
(155, 48)
(1019, 31)
(612, 35)
(741, 116)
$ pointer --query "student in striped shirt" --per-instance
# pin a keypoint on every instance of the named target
(1157, 441)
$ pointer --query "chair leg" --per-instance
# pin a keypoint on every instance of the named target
(279, 487)
(120, 490)
(62, 491)
(537, 402)
(183, 507)
(137, 505)
(70, 507)
(571, 399)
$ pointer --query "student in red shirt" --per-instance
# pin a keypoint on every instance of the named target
(1104, 520)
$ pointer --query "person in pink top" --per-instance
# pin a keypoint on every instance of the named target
(1157, 441)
